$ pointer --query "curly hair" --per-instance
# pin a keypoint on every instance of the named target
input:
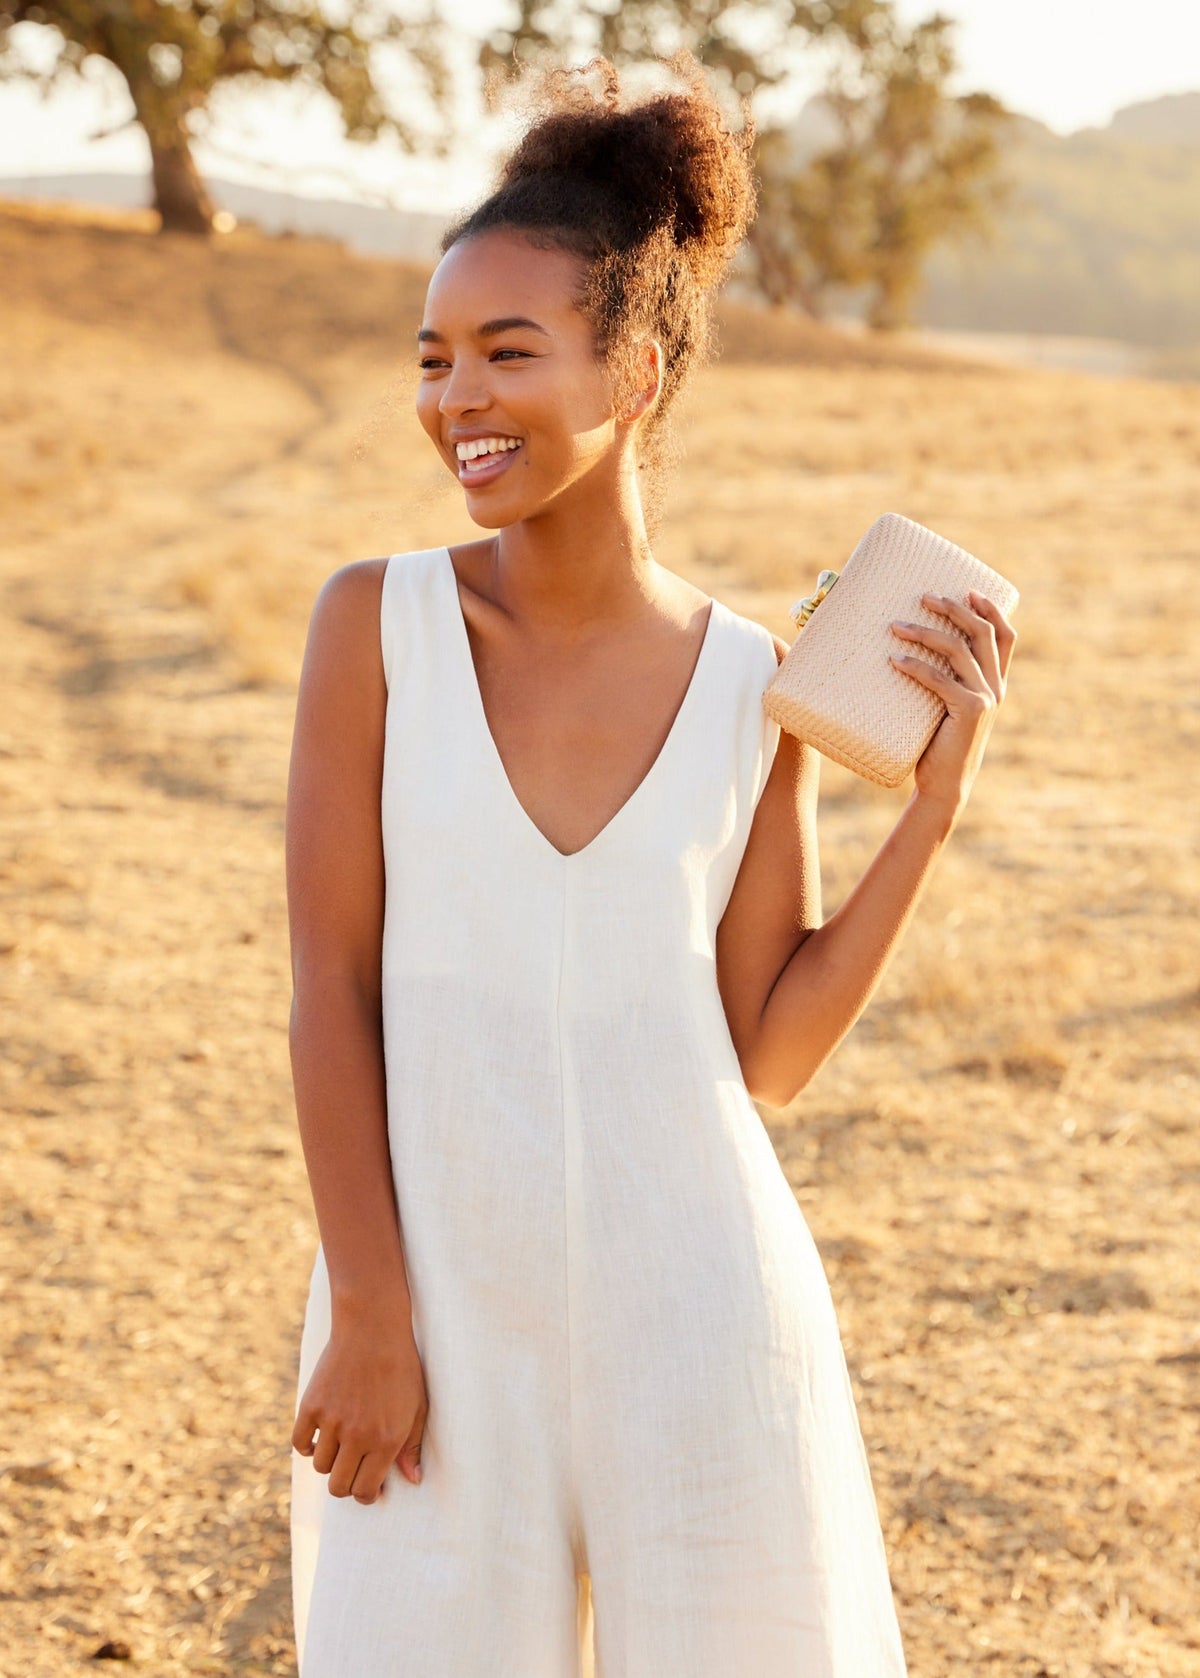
(654, 197)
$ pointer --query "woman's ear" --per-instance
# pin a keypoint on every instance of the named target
(648, 378)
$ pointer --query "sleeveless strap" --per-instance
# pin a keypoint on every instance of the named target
(406, 602)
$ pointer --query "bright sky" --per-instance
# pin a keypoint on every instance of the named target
(1069, 62)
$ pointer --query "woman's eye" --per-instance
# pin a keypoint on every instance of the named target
(430, 361)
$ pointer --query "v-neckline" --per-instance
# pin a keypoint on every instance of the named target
(471, 677)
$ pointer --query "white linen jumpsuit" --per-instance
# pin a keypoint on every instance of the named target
(642, 1448)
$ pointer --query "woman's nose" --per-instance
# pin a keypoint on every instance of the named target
(462, 392)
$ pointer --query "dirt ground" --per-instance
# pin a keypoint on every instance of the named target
(1001, 1163)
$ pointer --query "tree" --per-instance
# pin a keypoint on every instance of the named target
(901, 164)
(915, 166)
(173, 55)
(747, 47)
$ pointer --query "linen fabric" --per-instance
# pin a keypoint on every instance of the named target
(642, 1457)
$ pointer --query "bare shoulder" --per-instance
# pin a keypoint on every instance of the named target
(796, 768)
(796, 763)
(344, 624)
(342, 682)
(334, 854)
(680, 601)
(351, 590)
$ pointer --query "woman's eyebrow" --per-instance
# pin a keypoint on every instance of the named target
(489, 329)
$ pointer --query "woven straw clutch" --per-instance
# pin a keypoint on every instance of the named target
(835, 689)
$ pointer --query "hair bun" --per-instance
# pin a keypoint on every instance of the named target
(667, 164)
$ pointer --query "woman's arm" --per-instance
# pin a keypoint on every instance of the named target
(360, 1394)
(792, 986)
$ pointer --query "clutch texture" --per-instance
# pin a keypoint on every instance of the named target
(836, 690)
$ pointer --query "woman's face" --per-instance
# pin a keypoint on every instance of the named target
(509, 374)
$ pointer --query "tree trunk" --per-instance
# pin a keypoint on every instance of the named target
(890, 308)
(180, 195)
(776, 276)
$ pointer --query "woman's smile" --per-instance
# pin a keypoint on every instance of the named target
(482, 460)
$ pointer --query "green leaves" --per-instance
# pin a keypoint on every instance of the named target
(900, 165)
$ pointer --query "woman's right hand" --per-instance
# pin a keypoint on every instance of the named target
(366, 1403)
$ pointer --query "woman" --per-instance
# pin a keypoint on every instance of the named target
(571, 1375)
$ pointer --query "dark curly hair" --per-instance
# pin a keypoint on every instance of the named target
(654, 196)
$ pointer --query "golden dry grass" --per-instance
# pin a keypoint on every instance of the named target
(1001, 1163)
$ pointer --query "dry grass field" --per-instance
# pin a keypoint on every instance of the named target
(1001, 1165)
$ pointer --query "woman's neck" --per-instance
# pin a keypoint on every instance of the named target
(584, 561)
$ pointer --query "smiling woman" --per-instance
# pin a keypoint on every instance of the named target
(571, 1380)
(650, 211)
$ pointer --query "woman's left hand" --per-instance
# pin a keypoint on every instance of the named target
(946, 770)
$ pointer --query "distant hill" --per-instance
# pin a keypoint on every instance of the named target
(374, 231)
(1172, 121)
(1102, 239)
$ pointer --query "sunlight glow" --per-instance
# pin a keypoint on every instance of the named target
(1070, 63)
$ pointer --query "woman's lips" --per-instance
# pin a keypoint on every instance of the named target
(473, 472)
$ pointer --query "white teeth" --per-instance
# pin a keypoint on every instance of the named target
(485, 445)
